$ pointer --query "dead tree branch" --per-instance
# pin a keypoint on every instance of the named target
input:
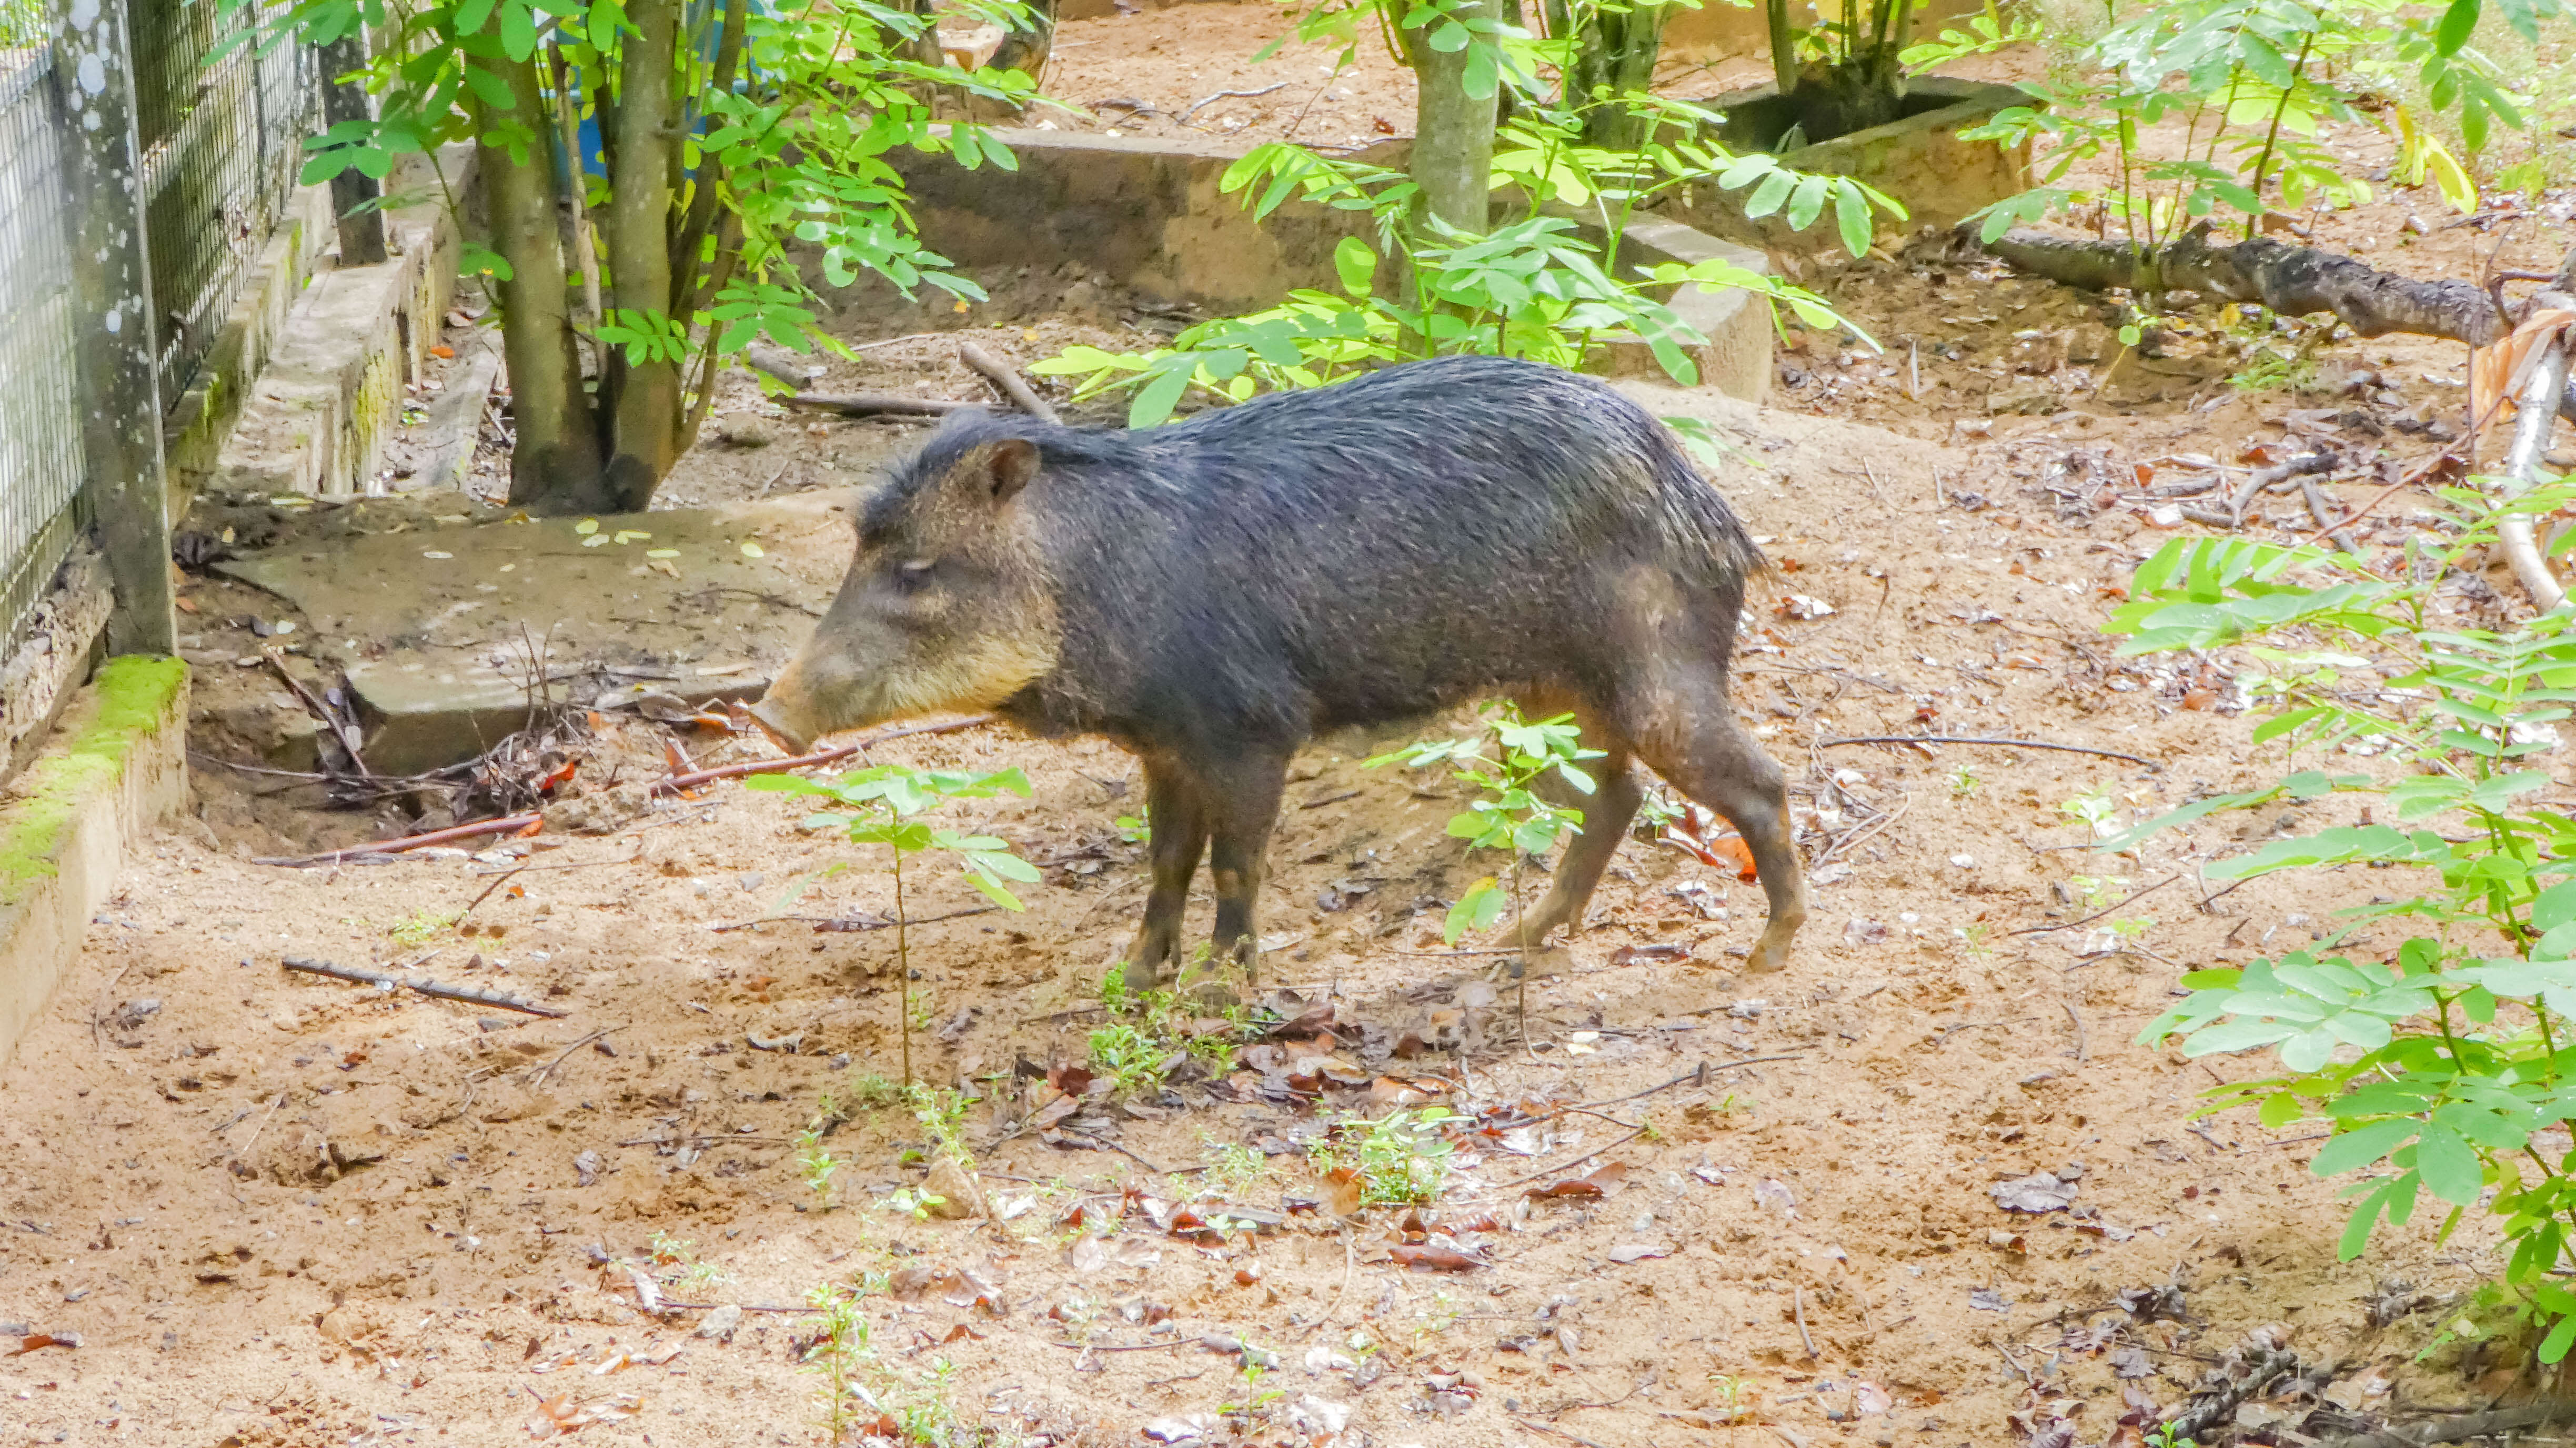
(2292, 280)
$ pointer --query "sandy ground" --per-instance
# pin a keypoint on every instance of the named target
(283, 1209)
(279, 1209)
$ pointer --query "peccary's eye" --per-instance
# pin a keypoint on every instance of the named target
(912, 574)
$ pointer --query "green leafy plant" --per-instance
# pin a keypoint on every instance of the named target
(815, 1164)
(2438, 1070)
(421, 927)
(2093, 808)
(1235, 1168)
(2252, 82)
(1548, 284)
(1400, 1159)
(670, 1251)
(1132, 1060)
(1504, 760)
(731, 140)
(861, 1391)
(881, 806)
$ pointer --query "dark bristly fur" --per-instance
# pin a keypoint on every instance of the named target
(1212, 593)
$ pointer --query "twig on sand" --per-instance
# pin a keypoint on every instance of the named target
(506, 824)
(1350, 1260)
(1104, 1143)
(539, 1078)
(693, 779)
(874, 404)
(1008, 381)
(486, 895)
(420, 985)
(1565, 1166)
(1199, 106)
(1962, 739)
(2098, 914)
(1798, 1304)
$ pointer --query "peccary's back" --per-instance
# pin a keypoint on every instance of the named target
(1369, 550)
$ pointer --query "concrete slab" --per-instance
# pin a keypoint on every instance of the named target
(115, 764)
(439, 628)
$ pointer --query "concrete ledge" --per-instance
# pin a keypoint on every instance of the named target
(38, 680)
(116, 764)
(1919, 160)
(315, 419)
(1150, 215)
(193, 433)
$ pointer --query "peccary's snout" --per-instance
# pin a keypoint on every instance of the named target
(789, 712)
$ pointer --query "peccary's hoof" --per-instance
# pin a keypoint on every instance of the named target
(1769, 954)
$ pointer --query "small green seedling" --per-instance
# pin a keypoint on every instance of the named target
(2094, 808)
(1402, 1160)
(1132, 1059)
(879, 806)
(421, 927)
(1504, 760)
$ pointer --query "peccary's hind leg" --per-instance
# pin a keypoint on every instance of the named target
(1243, 805)
(1606, 813)
(1178, 817)
(1684, 727)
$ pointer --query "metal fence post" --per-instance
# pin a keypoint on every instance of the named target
(114, 320)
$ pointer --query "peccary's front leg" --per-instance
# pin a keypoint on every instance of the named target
(1178, 818)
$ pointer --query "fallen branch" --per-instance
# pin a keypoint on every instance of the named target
(2471, 1425)
(873, 404)
(693, 779)
(420, 985)
(848, 924)
(1009, 381)
(2291, 280)
(1958, 739)
(507, 824)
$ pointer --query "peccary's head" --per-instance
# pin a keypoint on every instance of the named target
(947, 605)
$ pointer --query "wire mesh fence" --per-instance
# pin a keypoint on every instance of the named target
(220, 126)
(219, 130)
(40, 440)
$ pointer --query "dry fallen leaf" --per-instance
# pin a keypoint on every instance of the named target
(1585, 1188)
(2038, 1192)
(1436, 1259)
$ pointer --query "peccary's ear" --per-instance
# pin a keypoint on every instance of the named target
(1013, 462)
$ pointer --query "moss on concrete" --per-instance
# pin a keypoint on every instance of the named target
(135, 695)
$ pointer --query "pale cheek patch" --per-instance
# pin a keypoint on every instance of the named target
(974, 678)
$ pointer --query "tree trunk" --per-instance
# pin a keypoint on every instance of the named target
(1784, 47)
(1453, 135)
(554, 467)
(1027, 50)
(643, 431)
(1614, 50)
(362, 231)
